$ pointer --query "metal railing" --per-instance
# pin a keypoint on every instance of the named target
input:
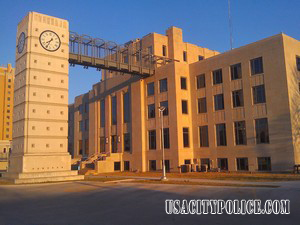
(128, 58)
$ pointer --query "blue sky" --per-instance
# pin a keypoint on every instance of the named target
(204, 22)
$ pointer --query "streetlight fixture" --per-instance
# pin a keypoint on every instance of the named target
(161, 110)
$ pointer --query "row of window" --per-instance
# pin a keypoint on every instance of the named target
(235, 72)
(126, 110)
(264, 163)
(258, 94)
(261, 130)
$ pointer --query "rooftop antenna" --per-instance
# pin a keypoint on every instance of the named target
(230, 26)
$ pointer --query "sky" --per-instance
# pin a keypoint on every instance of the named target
(204, 23)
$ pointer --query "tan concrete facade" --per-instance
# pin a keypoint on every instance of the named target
(261, 124)
(41, 102)
(7, 76)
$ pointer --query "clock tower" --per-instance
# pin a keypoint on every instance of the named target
(40, 121)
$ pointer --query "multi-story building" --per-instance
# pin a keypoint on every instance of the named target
(236, 111)
(7, 75)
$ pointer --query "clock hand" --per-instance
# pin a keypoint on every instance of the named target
(49, 42)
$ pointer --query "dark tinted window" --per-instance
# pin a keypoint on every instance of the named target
(186, 142)
(114, 110)
(184, 56)
(203, 130)
(223, 163)
(217, 77)
(151, 111)
(183, 83)
(102, 113)
(219, 102)
(202, 105)
(127, 142)
(163, 85)
(256, 66)
(259, 94)
(242, 164)
(262, 131)
(264, 163)
(237, 98)
(184, 107)
(201, 81)
(166, 138)
(152, 139)
(126, 107)
(240, 133)
(117, 166)
(166, 105)
(114, 144)
(221, 134)
(150, 89)
(236, 71)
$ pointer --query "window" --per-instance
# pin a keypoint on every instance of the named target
(184, 56)
(9, 80)
(217, 77)
(184, 107)
(298, 63)
(126, 165)
(164, 50)
(86, 146)
(166, 138)
(80, 109)
(219, 102)
(86, 107)
(183, 83)
(152, 165)
(264, 163)
(240, 133)
(163, 85)
(127, 142)
(186, 141)
(86, 125)
(200, 57)
(150, 49)
(150, 89)
(151, 111)
(205, 161)
(262, 131)
(80, 147)
(187, 161)
(9, 86)
(223, 163)
(201, 81)
(203, 131)
(259, 94)
(221, 134)
(236, 71)
(80, 125)
(237, 98)
(102, 144)
(102, 113)
(242, 164)
(117, 166)
(166, 105)
(152, 139)
(114, 144)
(8, 99)
(202, 105)
(256, 66)
(113, 110)
(126, 107)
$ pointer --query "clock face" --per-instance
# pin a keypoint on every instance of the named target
(21, 42)
(50, 40)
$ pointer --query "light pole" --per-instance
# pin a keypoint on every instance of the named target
(161, 110)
